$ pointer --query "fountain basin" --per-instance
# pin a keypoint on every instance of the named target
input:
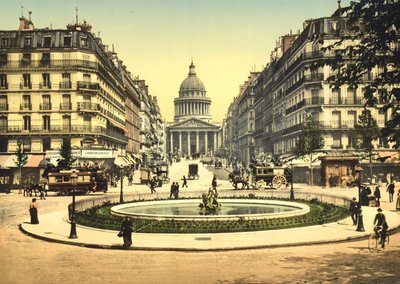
(187, 209)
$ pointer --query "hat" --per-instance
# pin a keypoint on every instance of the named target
(354, 198)
(379, 210)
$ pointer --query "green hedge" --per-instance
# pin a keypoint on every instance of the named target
(320, 213)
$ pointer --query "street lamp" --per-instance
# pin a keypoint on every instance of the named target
(72, 234)
(121, 195)
(291, 183)
(360, 222)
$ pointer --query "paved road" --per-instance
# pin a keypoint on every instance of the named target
(28, 260)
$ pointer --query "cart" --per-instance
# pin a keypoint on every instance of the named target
(162, 172)
(193, 171)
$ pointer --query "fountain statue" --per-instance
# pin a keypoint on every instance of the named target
(210, 202)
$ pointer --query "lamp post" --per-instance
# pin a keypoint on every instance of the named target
(360, 222)
(291, 183)
(19, 167)
(121, 194)
(72, 234)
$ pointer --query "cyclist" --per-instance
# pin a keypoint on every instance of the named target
(380, 226)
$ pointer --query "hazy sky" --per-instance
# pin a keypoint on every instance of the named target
(157, 39)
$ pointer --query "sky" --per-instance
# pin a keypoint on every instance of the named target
(157, 39)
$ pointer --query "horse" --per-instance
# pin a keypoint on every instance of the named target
(235, 180)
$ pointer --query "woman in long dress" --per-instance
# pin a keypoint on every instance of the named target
(33, 210)
(398, 200)
(126, 229)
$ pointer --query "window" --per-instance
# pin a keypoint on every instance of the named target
(3, 59)
(3, 81)
(66, 123)
(67, 41)
(351, 96)
(26, 81)
(26, 102)
(336, 119)
(45, 81)
(46, 102)
(26, 142)
(46, 144)
(47, 41)
(45, 60)
(337, 141)
(4, 42)
(3, 124)
(28, 42)
(3, 103)
(26, 59)
(352, 118)
(84, 42)
(66, 81)
(27, 123)
(86, 77)
(46, 122)
(66, 102)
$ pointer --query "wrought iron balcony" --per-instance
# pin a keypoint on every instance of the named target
(84, 106)
(45, 106)
(3, 107)
(88, 86)
(66, 106)
(65, 85)
(25, 85)
(45, 85)
(25, 106)
(16, 64)
(4, 86)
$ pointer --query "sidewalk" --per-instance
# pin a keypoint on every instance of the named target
(55, 227)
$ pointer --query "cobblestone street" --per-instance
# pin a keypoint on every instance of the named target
(29, 260)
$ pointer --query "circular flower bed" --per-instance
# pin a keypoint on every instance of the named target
(320, 213)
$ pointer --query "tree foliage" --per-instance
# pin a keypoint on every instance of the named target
(22, 158)
(366, 131)
(373, 58)
(66, 159)
(311, 138)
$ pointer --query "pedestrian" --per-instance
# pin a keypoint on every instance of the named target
(152, 186)
(176, 192)
(184, 182)
(353, 210)
(172, 191)
(377, 194)
(214, 182)
(33, 211)
(398, 200)
(390, 189)
(126, 232)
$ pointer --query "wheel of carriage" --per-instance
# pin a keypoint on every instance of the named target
(260, 184)
(278, 181)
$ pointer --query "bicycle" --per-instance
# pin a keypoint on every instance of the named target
(375, 241)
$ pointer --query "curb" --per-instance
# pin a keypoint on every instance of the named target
(97, 246)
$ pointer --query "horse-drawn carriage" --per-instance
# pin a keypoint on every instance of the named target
(161, 170)
(273, 176)
(193, 171)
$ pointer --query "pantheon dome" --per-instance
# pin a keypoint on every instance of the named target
(192, 101)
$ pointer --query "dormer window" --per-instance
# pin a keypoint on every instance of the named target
(28, 42)
(67, 41)
(84, 42)
(4, 42)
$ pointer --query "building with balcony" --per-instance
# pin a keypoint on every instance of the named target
(288, 90)
(192, 131)
(59, 85)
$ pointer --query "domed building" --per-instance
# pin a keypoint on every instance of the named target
(192, 131)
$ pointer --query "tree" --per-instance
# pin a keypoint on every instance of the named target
(366, 131)
(20, 161)
(310, 140)
(66, 159)
(372, 27)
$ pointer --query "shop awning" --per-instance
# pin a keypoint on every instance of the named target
(122, 161)
(130, 159)
(8, 161)
(33, 161)
(136, 157)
